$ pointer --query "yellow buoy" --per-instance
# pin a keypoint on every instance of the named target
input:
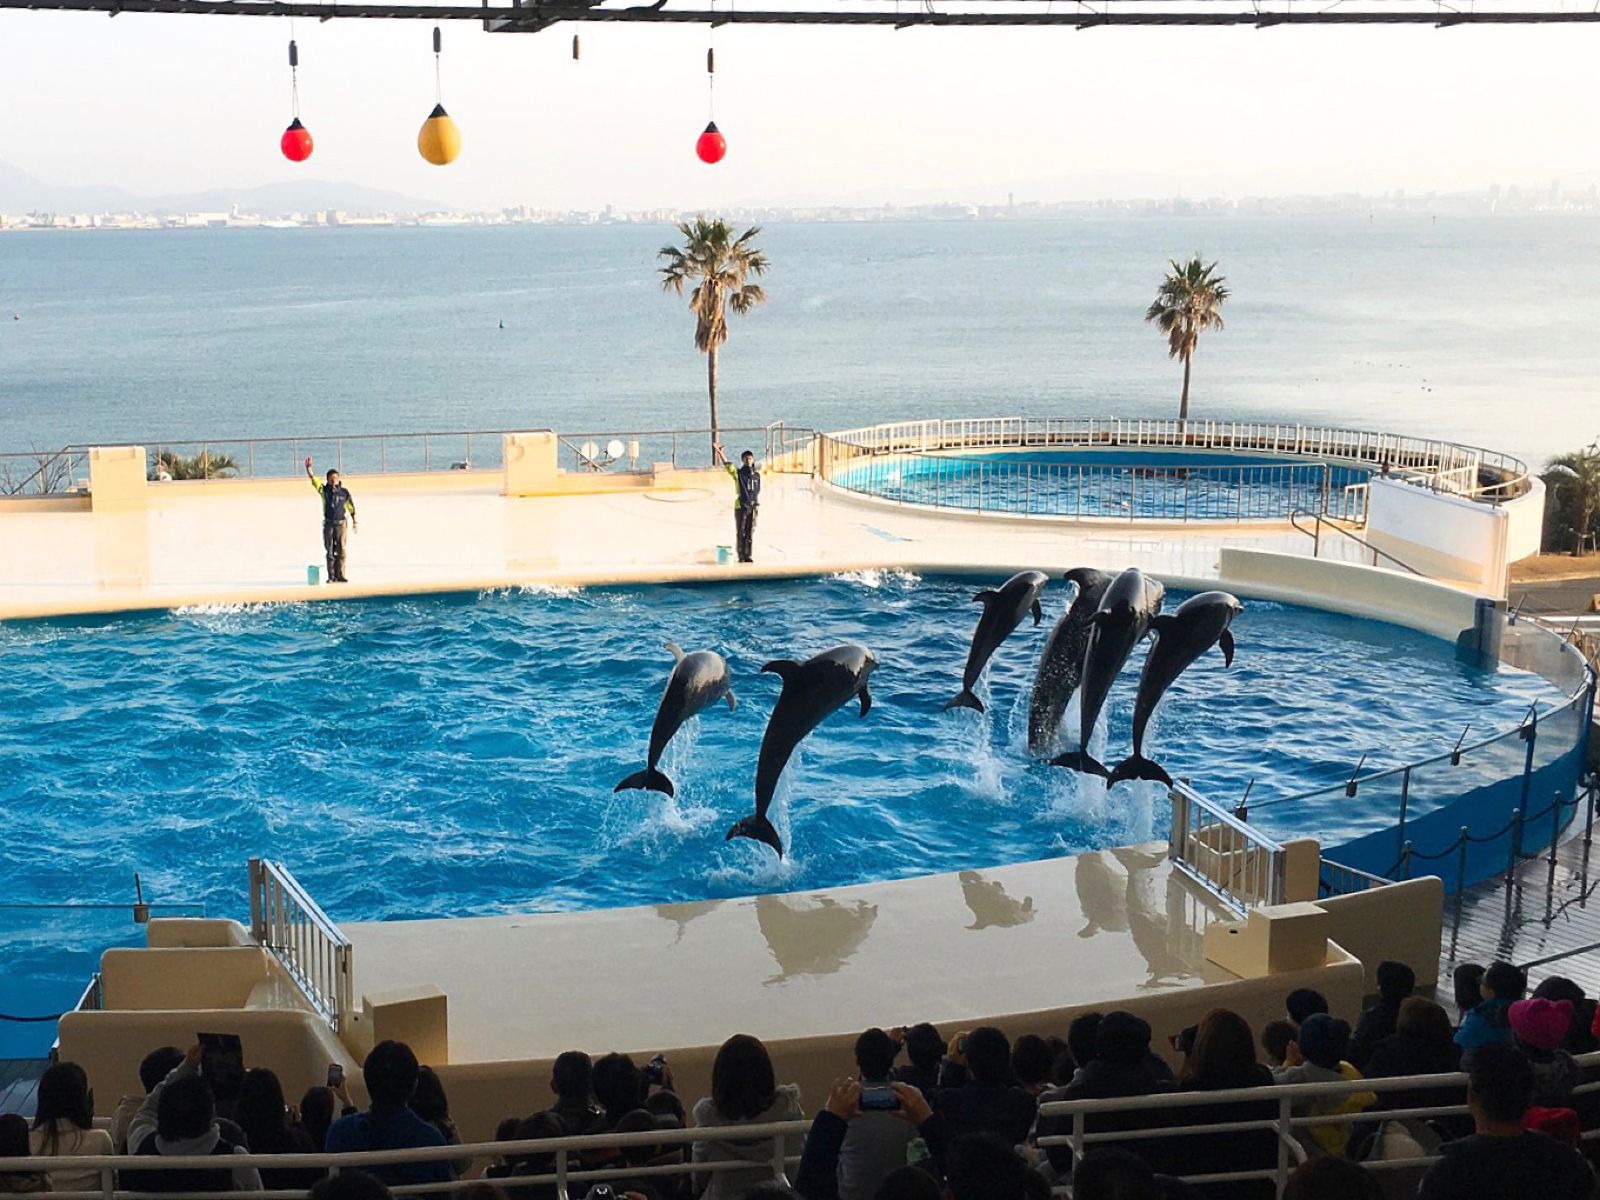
(439, 141)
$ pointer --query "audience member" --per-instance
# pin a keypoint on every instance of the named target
(390, 1073)
(983, 1166)
(540, 1126)
(1121, 1066)
(1325, 1178)
(1396, 981)
(1275, 1039)
(63, 1125)
(317, 1108)
(1540, 1027)
(1580, 1039)
(1317, 1056)
(1503, 1161)
(1031, 1059)
(824, 1174)
(1304, 1002)
(655, 1187)
(572, 1082)
(1423, 1043)
(1489, 1024)
(744, 1091)
(979, 1095)
(14, 1144)
(875, 1142)
(1081, 1038)
(431, 1104)
(1223, 1057)
(178, 1119)
(924, 1051)
(157, 1065)
(1467, 989)
(350, 1185)
(268, 1127)
(1559, 1123)
(619, 1086)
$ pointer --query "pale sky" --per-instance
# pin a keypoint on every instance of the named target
(166, 103)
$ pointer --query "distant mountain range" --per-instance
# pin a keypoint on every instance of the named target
(22, 193)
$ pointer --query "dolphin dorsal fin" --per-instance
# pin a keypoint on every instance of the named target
(1226, 642)
(783, 668)
(733, 702)
(676, 651)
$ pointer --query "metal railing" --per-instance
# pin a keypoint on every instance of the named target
(287, 922)
(686, 449)
(1315, 534)
(1223, 852)
(44, 472)
(1336, 879)
(119, 1173)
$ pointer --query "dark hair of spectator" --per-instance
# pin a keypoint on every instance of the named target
(1468, 987)
(1063, 1067)
(982, 1167)
(1505, 981)
(14, 1136)
(1501, 1081)
(572, 1076)
(924, 1046)
(743, 1085)
(429, 1101)
(988, 1056)
(638, 1121)
(667, 1104)
(1304, 1002)
(63, 1095)
(1080, 1036)
(1396, 981)
(261, 1111)
(1559, 987)
(1224, 1054)
(390, 1073)
(1031, 1058)
(1275, 1038)
(349, 1184)
(908, 1183)
(535, 1128)
(619, 1086)
(1122, 1039)
(186, 1108)
(875, 1051)
(1327, 1178)
(1114, 1174)
(1324, 1040)
(507, 1129)
(1422, 1019)
(157, 1065)
(316, 1113)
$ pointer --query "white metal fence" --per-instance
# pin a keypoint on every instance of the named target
(1224, 853)
(287, 922)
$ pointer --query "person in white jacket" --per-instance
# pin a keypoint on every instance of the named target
(63, 1126)
(744, 1091)
(178, 1119)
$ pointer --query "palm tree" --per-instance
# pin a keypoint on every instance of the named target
(204, 465)
(1573, 480)
(722, 266)
(1189, 301)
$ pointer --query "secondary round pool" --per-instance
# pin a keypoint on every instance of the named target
(456, 755)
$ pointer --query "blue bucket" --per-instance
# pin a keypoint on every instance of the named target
(313, 575)
(724, 554)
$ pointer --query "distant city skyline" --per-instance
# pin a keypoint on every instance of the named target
(161, 105)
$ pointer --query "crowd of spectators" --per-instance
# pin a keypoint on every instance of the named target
(920, 1116)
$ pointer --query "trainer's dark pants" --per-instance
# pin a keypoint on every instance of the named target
(333, 541)
(744, 524)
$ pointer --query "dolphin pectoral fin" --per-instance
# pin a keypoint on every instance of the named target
(676, 651)
(1137, 766)
(965, 699)
(783, 668)
(1099, 617)
(756, 828)
(1038, 612)
(648, 779)
(866, 700)
(985, 596)
(1160, 623)
(1226, 642)
(733, 702)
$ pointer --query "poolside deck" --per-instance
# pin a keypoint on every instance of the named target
(221, 544)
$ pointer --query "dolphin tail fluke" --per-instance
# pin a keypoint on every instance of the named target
(757, 828)
(965, 699)
(1137, 766)
(1081, 760)
(648, 779)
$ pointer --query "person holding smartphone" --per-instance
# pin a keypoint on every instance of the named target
(876, 1140)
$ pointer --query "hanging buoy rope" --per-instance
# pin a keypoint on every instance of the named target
(711, 146)
(438, 141)
(296, 140)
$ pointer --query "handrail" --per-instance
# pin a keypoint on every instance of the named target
(288, 923)
(1316, 538)
(1223, 852)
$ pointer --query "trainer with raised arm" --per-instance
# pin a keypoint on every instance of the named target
(746, 500)
(337, 503)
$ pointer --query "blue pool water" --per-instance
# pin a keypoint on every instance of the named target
(456, 755)
(1092, 482)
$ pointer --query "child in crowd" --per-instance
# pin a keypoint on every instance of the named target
(1275, 1039)
(14, 1144)
(1316, 1055)
(1540, 1027)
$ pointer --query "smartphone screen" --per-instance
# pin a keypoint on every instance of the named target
(222, 1063)
(335, 1074)
(879, 1099)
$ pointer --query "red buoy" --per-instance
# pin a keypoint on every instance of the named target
(296, 142)
(711, 146)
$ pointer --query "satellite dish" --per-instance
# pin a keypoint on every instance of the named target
(614, 448)
(589, 450)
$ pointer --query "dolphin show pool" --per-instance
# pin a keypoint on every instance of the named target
(457, 755)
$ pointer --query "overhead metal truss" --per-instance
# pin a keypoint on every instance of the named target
(533, 15)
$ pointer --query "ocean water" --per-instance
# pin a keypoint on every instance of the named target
(457, 755)
(1471, 328)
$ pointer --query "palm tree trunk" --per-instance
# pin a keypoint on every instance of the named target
(711, 385)
(1183, 404)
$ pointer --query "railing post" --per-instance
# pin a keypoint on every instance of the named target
(1588, 811)
(779, 1167)
(1461, 861)
(1555, 828)
(108, 1182)
(257, 916)
(1405, 861)
(1516, 847)
(1280, 1178)
(1077, 1138)
(561, 1174)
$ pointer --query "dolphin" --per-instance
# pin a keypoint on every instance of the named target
(1122, 619)
(697, 682)
(1182, 636)
(1003, 610)
(1061, 664)
(811, 691)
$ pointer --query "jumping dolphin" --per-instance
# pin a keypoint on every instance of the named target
(1061, 664)
(697, 682)
(1199, 623)
(1003, 610)
(811, 691)
(1122, 619)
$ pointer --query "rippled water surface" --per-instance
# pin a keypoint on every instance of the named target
(457, 755)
